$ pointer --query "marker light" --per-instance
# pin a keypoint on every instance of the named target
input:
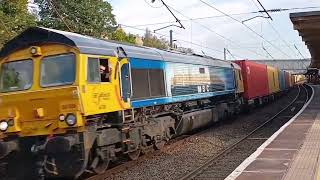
(35, 51)
(3, 125)
(71, 119)
(61, 117)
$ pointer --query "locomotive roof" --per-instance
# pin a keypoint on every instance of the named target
(90, 45)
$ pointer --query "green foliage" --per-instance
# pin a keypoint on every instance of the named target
(152, 41)
(120, 35)
(14, 18)
(89, 17)
(185, 50)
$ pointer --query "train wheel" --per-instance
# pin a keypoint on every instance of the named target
(134, 155)
(99, 165)
(159, 145)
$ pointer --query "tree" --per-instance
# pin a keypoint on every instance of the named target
(89, 17)
(14, 18)
(152, 41)
(185, 50)
(120, 35)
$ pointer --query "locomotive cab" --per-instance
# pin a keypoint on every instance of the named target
(38, 90)
(48, 89)
(53, 97)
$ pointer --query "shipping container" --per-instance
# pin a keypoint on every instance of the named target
(239, 82)
(287, 79)
(300, 79)
(292, 81)
(273, 79)
(255, 79)
(282, 80)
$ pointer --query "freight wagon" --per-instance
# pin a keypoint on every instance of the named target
(255, 80)
(261, 82)
(273, 80)
(282, 80)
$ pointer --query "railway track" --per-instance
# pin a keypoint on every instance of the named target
(219, 166)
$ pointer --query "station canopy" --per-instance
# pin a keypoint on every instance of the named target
(308, 26)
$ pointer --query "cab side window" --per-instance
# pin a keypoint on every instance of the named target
(105, 70)
(98, 70)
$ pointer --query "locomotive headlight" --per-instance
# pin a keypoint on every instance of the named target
(71, 119)
(4, 125)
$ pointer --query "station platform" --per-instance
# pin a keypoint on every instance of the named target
(292, 153)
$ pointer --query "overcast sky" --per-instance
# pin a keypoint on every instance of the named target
(211, 35)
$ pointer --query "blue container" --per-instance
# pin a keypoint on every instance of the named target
(282, 80)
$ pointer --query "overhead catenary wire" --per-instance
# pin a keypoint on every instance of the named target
(300, 55)
(161, 35)
(290, 9)
(153, 6)
(231, 54)
(197, 18)
(267, 52)
(193, 43)
(264, 10)
(249, 28)
(259, 46)
(299, 51)
(277, 10)
(60, 16)
(177, 20)
(274, 29)
(279, 35)
(218, 34)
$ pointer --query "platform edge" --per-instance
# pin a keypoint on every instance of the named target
(254, 155)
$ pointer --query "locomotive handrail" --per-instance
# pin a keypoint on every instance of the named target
(119, 71)
(131, 88)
